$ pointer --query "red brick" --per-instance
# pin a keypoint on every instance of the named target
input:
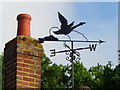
(18, 45)
(22, 74)
(34, 67)
(26, 88)
(19, 77)
(28, 44)
(40, 50)
(28, 70)
(19, 41)
(39, 54)
(38, 72)
(22, 82)
(26, 52)
(19, 60)
(34, 84)
(32, 54)
(25, 65)
(27, 57)
(28, 79)
(32, 58)
(22, 65)
(19, 86)
(21, 56)
(26, 61)
(29, 62)
(37, 63)
(37, 80)
(39, 59)
(19, 68)
(34, 76)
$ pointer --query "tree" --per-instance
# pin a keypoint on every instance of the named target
(53, 75)
(111, 77)
(116, 77)
(105, 77)
(82, 75)
(1, 67)
(97, 74)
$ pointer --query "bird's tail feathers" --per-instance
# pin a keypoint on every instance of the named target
(81, 23)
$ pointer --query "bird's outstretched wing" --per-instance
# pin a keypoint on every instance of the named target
(62, 19)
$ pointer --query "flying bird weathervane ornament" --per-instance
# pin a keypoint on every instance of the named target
(65, 28)
(71, 52)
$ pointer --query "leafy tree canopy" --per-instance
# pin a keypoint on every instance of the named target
(99, 77)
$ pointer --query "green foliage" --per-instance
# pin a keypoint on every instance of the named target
(82, 76)
(116, 76)
(1, 66)
(111, 77)
(105, 77)
(98, 77)
(53, 75)
(97, 74)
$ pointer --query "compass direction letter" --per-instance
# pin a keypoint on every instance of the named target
(52, 52)
(93, 47)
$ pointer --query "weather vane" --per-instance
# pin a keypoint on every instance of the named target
(72, 53)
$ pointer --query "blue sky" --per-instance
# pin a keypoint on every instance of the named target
(104, 11)
(101, 23)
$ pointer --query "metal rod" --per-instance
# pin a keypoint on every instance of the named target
(72, 50)
(51, 29)
(99, 41)
(72, 57)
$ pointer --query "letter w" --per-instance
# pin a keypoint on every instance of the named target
(93, 47)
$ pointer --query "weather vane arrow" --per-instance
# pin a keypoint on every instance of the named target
(65, 29)
(41, 40)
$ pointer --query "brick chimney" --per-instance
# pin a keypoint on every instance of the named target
(22, 58)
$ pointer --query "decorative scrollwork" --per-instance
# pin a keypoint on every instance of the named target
(68, 58)
(78, 59)
(67, 53)
(77, 56)
(77, 53)
(74, 57)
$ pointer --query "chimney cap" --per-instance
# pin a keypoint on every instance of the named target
(23, 24)
(23, 16)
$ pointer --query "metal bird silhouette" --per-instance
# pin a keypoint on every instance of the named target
(65, 28)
